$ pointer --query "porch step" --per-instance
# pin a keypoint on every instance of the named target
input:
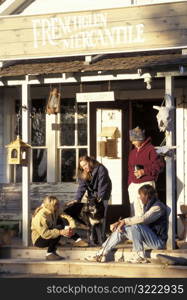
(79, 253)
(89, 269)
(31, 260)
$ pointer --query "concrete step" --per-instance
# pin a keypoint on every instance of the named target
(31, 260)
(79, 268)
(78, 253)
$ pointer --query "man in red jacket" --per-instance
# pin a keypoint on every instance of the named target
(144, 166)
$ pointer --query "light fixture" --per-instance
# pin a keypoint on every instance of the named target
(147, 79)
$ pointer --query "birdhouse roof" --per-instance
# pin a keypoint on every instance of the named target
(18, 143)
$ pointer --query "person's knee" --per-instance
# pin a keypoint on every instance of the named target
(135, 227)
(116, 235)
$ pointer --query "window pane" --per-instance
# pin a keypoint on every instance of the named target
(39, 165)
(18, 111)
(38, 136)
(68, 165)
(82, 124)
(82, 152)
(68, 122)
(18, 173)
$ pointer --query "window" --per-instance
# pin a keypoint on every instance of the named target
(38, 141)
(70, 140)
(73, 137)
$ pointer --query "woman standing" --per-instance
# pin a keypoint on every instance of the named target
(144, 166)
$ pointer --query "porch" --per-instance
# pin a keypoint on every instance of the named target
(19, 261)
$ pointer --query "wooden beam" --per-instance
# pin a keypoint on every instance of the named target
(25, 169)
(11, 6)
(170, 167)
(51, 145)
(180, 152)
(83, 77)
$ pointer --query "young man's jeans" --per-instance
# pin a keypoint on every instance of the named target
(140, 234)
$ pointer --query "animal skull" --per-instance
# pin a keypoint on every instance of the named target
(163, 117)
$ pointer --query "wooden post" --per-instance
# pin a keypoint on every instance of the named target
(25, 169)
(170, 169)
(180, 156)
(51, 145)
(88, 127)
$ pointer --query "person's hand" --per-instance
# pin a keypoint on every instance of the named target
(120, 226)
(114, 226)
(70, 203)
(68, 232)
(139, 173)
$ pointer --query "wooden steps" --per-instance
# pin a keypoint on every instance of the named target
(31, 260)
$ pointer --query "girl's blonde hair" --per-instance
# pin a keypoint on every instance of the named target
(49, 202)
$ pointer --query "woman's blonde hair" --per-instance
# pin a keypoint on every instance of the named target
(49, 202)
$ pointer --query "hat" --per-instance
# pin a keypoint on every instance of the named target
(137, 134)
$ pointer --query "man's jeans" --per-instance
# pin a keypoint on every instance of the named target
(141, 236)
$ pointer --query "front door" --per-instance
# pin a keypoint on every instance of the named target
(109, 147)
(109, 143)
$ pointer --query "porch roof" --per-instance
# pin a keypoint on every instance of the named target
(127, 62)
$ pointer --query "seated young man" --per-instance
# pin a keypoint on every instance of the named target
(149, 229)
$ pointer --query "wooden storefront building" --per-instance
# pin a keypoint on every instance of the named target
(110, 66)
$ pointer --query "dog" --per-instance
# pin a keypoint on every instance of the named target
(95, 214)
(90, 214)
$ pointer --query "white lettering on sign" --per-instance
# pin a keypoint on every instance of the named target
(97, 96)
(83, 32)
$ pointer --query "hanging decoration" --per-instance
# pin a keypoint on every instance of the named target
(53, 103)
(18, 151)
(164, 116)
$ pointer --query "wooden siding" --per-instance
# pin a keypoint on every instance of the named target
(11, 195)
(128, 29)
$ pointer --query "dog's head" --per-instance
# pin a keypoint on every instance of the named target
(95, 209)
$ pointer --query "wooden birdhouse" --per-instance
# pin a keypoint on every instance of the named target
(108, 147)
(18, 152)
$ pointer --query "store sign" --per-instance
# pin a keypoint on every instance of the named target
(126, 29)
(94, 97)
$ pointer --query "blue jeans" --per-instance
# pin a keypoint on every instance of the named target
(140, 234)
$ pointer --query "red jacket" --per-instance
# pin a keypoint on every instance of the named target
(147, 157)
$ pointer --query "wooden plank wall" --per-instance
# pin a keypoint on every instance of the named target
(127, 29)
(11, 195)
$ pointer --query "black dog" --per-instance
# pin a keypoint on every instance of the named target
(90, 214)
(95, 214)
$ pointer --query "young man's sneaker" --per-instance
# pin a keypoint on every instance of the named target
(96, 258)
(137, 258)
(80, 243)
(54, 256)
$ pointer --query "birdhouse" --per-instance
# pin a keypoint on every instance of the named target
(108, 147)
(110, 132)
(18, 152)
